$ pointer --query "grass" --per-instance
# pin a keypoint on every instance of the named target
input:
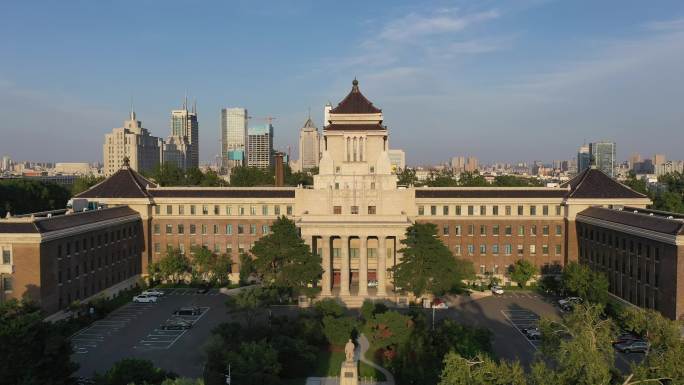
(329, 364)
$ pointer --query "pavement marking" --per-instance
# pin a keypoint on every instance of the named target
(159, 339)
(517, 327)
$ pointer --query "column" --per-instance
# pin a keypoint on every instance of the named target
(382, 268)
(344, 269)
(326, 280)
(363, 267)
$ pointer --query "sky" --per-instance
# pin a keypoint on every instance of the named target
(500, 80)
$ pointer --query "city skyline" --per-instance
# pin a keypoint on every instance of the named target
(595, 76)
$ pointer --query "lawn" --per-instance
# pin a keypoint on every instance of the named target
(329, 364)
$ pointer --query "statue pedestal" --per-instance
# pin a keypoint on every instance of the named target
(349, 375)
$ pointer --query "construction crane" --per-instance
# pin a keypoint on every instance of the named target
(268, 119)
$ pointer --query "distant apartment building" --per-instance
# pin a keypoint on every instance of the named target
(583, 158)
(397, 159)
(603, 156)
(309, 146)
(634, 159)
(132, 142)
(233, 136)
(260, 146)
(669, 167)
(6, 164)
(175, 150)
(471, 164)
(184, 124)
(458, 164)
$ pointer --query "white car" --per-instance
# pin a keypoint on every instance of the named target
(144, 298)
(497, 290)
(153, 292)
(439, 304)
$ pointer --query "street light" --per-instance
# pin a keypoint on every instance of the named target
(228, 376)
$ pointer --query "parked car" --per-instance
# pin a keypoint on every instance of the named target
(176, 324)
(202, 290)
(439, 304)
(632, 346)
(153, 292)
(372, 283)
(188, 310)
(532, 333)
(497, 290)
(567, 304)
(626, 336)
(144, 298)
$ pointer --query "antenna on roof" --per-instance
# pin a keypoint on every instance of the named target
(185, 101)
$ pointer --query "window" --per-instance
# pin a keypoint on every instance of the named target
(545, 210)
(355, 210)
(169, 229)
(483, 210)
(495, 230)
(371, 210)
(264, 229)
(6, 257)
(445, 210)
(181, 248)
(193, 229)
(241, 229)
(533, 230)
(264, 210)
(483, 230)
(157, 209)
(181, 210)
(289, 209)
(337, 210)
(157, 231)
(229, 249)
(457, 230)
(445, 230)
(205, 210)
(520, 210)
(521, 230)
(471, 210)
(216, 229)
(508, 210)
(229, 229)
(169, 209)
(545, 249)
(509, 230)
(495, 248)
(559, 230)
(276, 210)
(545, 230)
(7, 283)
(337, 185)
(471, 229)
(458, 210)
(252, 210)
(508, 249)
(372, 170)
(372, 186)
(433, 210)
(482, 269)
(471, 249)
(521, 249)
(483, 249)
(229, 210)
(457, 249)
(495, 210)
(252, 229)
(241, 210)
(533, 210)
(192, 210)
(533, 249)
(204, 229)
(217, 209)
(558, 210)
(421, 210)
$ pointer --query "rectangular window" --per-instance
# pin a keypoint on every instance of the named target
(217, 209)
(181, 229)
(229, 210)
(495, 248)
(533, 249)
(252, 229)
(445, 230)
(276, 210)
(193, 229)
(205, 210)
(371, 210)
(181, 248)
(545, 230)
(458, 209)
(204, 229)
(545, 210)
(521, 230)
(533, 210)
(521, 249)
(509, 230)
(558, 210)
(520, 210)
(355, 210)
(545, 249)
(229, 249)
(264, 210)
(264, 229)
(421, 210)
(216, 229)
(241, 229)
(559, 230)
(157, 231)
(508, 249)
(495, 230)
(169, 209)
(241, 210)
(445, 210)
(433, 210)
(508, 210)
(252, 210)
(471, 229)
(7, 283)
(372, 186)
(337, 210)
(471, 210)
(457, 249)
(169, 229)
(483, 249)
(457, 230)
(495, 210)
(288, 209)
(193, 211)
(229, 229)
(483, 230)
(181, 210)
(533, 230)
(471, 249)
(483, 210)
(6, 257)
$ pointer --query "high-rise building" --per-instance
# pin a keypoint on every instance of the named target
(309, 146)
(471, 164)
(133, 142)
(458, 164)
(260, 146)
(659, 159)
(175, 150)
(184, 124)
(397, 159)
(634, 159)
(6, 163)
(583, 158)
(233, 136)
(603, 156)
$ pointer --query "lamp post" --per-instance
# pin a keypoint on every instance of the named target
(228, 379)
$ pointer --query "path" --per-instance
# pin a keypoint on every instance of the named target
(363, 348)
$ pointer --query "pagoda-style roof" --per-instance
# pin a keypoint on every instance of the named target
(595, 184)
(355, 103)
(355, 127)
(125, 183)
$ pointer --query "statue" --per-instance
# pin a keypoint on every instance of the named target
(349, 350)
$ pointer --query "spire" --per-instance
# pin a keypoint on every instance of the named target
(355, 85)
(131, 114)
(194, 106)
(185, 100)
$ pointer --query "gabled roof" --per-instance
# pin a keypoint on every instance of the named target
(595, 184)
(125, 183)
(497, 192)
(224, 192)
(64, 221)
(355, 103)
(639, 218)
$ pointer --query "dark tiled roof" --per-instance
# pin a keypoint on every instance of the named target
(593, 183)
(125, 183)
(222, 193)
(490, 193)
(640, 220)
(61, 222)
(355, 103)
(354, 127)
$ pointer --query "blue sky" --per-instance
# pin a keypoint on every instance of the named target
(500, 80)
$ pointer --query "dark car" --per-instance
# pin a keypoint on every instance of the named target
(176, 324)
(625, 337)
(532, 333)
(632, 346)
(189, 310)
(202, 290)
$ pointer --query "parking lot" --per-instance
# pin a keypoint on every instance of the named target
(521, 320)
(134, 331)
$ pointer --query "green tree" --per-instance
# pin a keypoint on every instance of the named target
(522, 271)
(407, 177)
(174, 265)
(167, 174)
(638, 185)
(391, 329)
(471, 179)
(182, 381)
(250, 177)
(84, 183)
(669, 201)
(251, 301)
(582, 281)
(480, 370)
(32, 351)
(282, 259)
(254, 363)
(427, 265)
(246, 268)
(329, 307)
(444, 178)
(516, 181)
(203, 262)
(338, 330)
(133, 371)
(21, 196)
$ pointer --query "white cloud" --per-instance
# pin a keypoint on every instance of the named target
(414, 25)
(666, 25)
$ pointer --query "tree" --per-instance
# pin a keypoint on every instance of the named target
(250, 177)
(254, 363)
(329, 307)
(282, 259)
(84, 183)
(669, 201)
(32, 351)
(391, 329)
(480, 370)
(203, 262)
(174, 265)
(250, 301)
(338, 330)
(427, 265)
(471, 179)
(443, 178)
(407, 177)
(522, 271)
(516, 181)
(169, 174)
(182, 381)
(582, 281)
(246, 268)
(133, 371)
(638, 185)
(21, 196)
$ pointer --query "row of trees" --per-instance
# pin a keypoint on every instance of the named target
(21, 196)
(204, 266)
(669, 196)
(169, 174)
(447, 178)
